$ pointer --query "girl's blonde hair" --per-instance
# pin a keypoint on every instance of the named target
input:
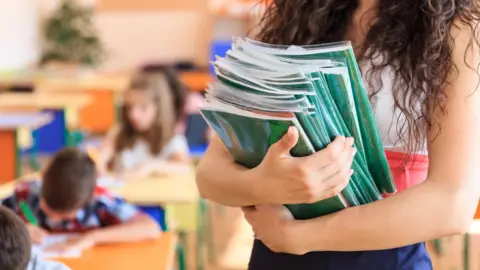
(157, 88)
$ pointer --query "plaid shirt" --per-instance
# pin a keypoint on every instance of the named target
(104, 211)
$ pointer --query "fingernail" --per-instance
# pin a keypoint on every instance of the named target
(351, 172)
(354, 151)
(290, 132)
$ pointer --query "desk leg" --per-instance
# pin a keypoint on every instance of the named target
(466, 251)
(181, 250)
(9, 157)
(202, 234)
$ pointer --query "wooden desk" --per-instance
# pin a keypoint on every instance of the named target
(10, 79)
(150, 191)
(43, 100)
(152, 255)
(100, 115)
(161, 190)
(10, 125)
(63, 107)
(105, 82)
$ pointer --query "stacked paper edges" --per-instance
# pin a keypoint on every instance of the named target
(263, 89)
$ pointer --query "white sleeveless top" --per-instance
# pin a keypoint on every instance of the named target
(140, 152)
(387, 119)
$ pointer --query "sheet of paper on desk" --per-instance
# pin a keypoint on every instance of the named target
(43, 252)
(109, 182)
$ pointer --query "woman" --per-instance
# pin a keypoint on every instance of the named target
(420, 59)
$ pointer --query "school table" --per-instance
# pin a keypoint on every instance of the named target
(160, 190)
(12, 126)
(64, 108)
(103, 89)
(148, 255)
(9, 79)
(177, 193)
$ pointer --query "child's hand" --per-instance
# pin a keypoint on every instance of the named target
(37, 235)
(80, 243)
(138, 172)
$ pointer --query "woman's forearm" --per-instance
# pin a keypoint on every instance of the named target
(228, 184)
(427, 211)
(221, 180)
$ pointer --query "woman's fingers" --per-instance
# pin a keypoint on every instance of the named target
(332, 153)
(339, 171)
(285, 144)
(344, 161)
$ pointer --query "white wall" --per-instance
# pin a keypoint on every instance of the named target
(18, 34)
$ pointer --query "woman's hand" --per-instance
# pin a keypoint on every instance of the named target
(275, 227)
(284, 179)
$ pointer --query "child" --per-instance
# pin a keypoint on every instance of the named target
(178, 90)
(146, 141)
(67, 201)
(15, 246)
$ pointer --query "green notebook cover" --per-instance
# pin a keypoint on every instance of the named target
(248, 140)
(312, 126)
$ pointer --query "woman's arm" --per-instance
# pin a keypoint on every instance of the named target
(221, 180)
(445, 203)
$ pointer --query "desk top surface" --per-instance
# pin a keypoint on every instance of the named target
(32, 120)
(115, 83)
(160, 190)
(150, 191)
(43, 100)
(75, 81)
(149, 255)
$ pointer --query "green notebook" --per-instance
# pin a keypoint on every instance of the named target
(373, 150)
(248, 137)
(263, 89)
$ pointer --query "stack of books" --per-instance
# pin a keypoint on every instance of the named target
(262, 89)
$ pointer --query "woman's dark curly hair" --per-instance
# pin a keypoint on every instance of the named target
(412, 37)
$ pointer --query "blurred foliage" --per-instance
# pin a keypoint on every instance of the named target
(70, 36)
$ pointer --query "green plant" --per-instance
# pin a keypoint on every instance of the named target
(70, 36)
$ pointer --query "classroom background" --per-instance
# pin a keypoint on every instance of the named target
(64, 66)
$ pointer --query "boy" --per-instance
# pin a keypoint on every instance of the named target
(15, 246)
(67, 200)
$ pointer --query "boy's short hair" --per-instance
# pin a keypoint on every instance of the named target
(69, 180)
(15, 245)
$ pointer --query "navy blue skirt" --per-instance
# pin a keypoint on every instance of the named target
(414, 257)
